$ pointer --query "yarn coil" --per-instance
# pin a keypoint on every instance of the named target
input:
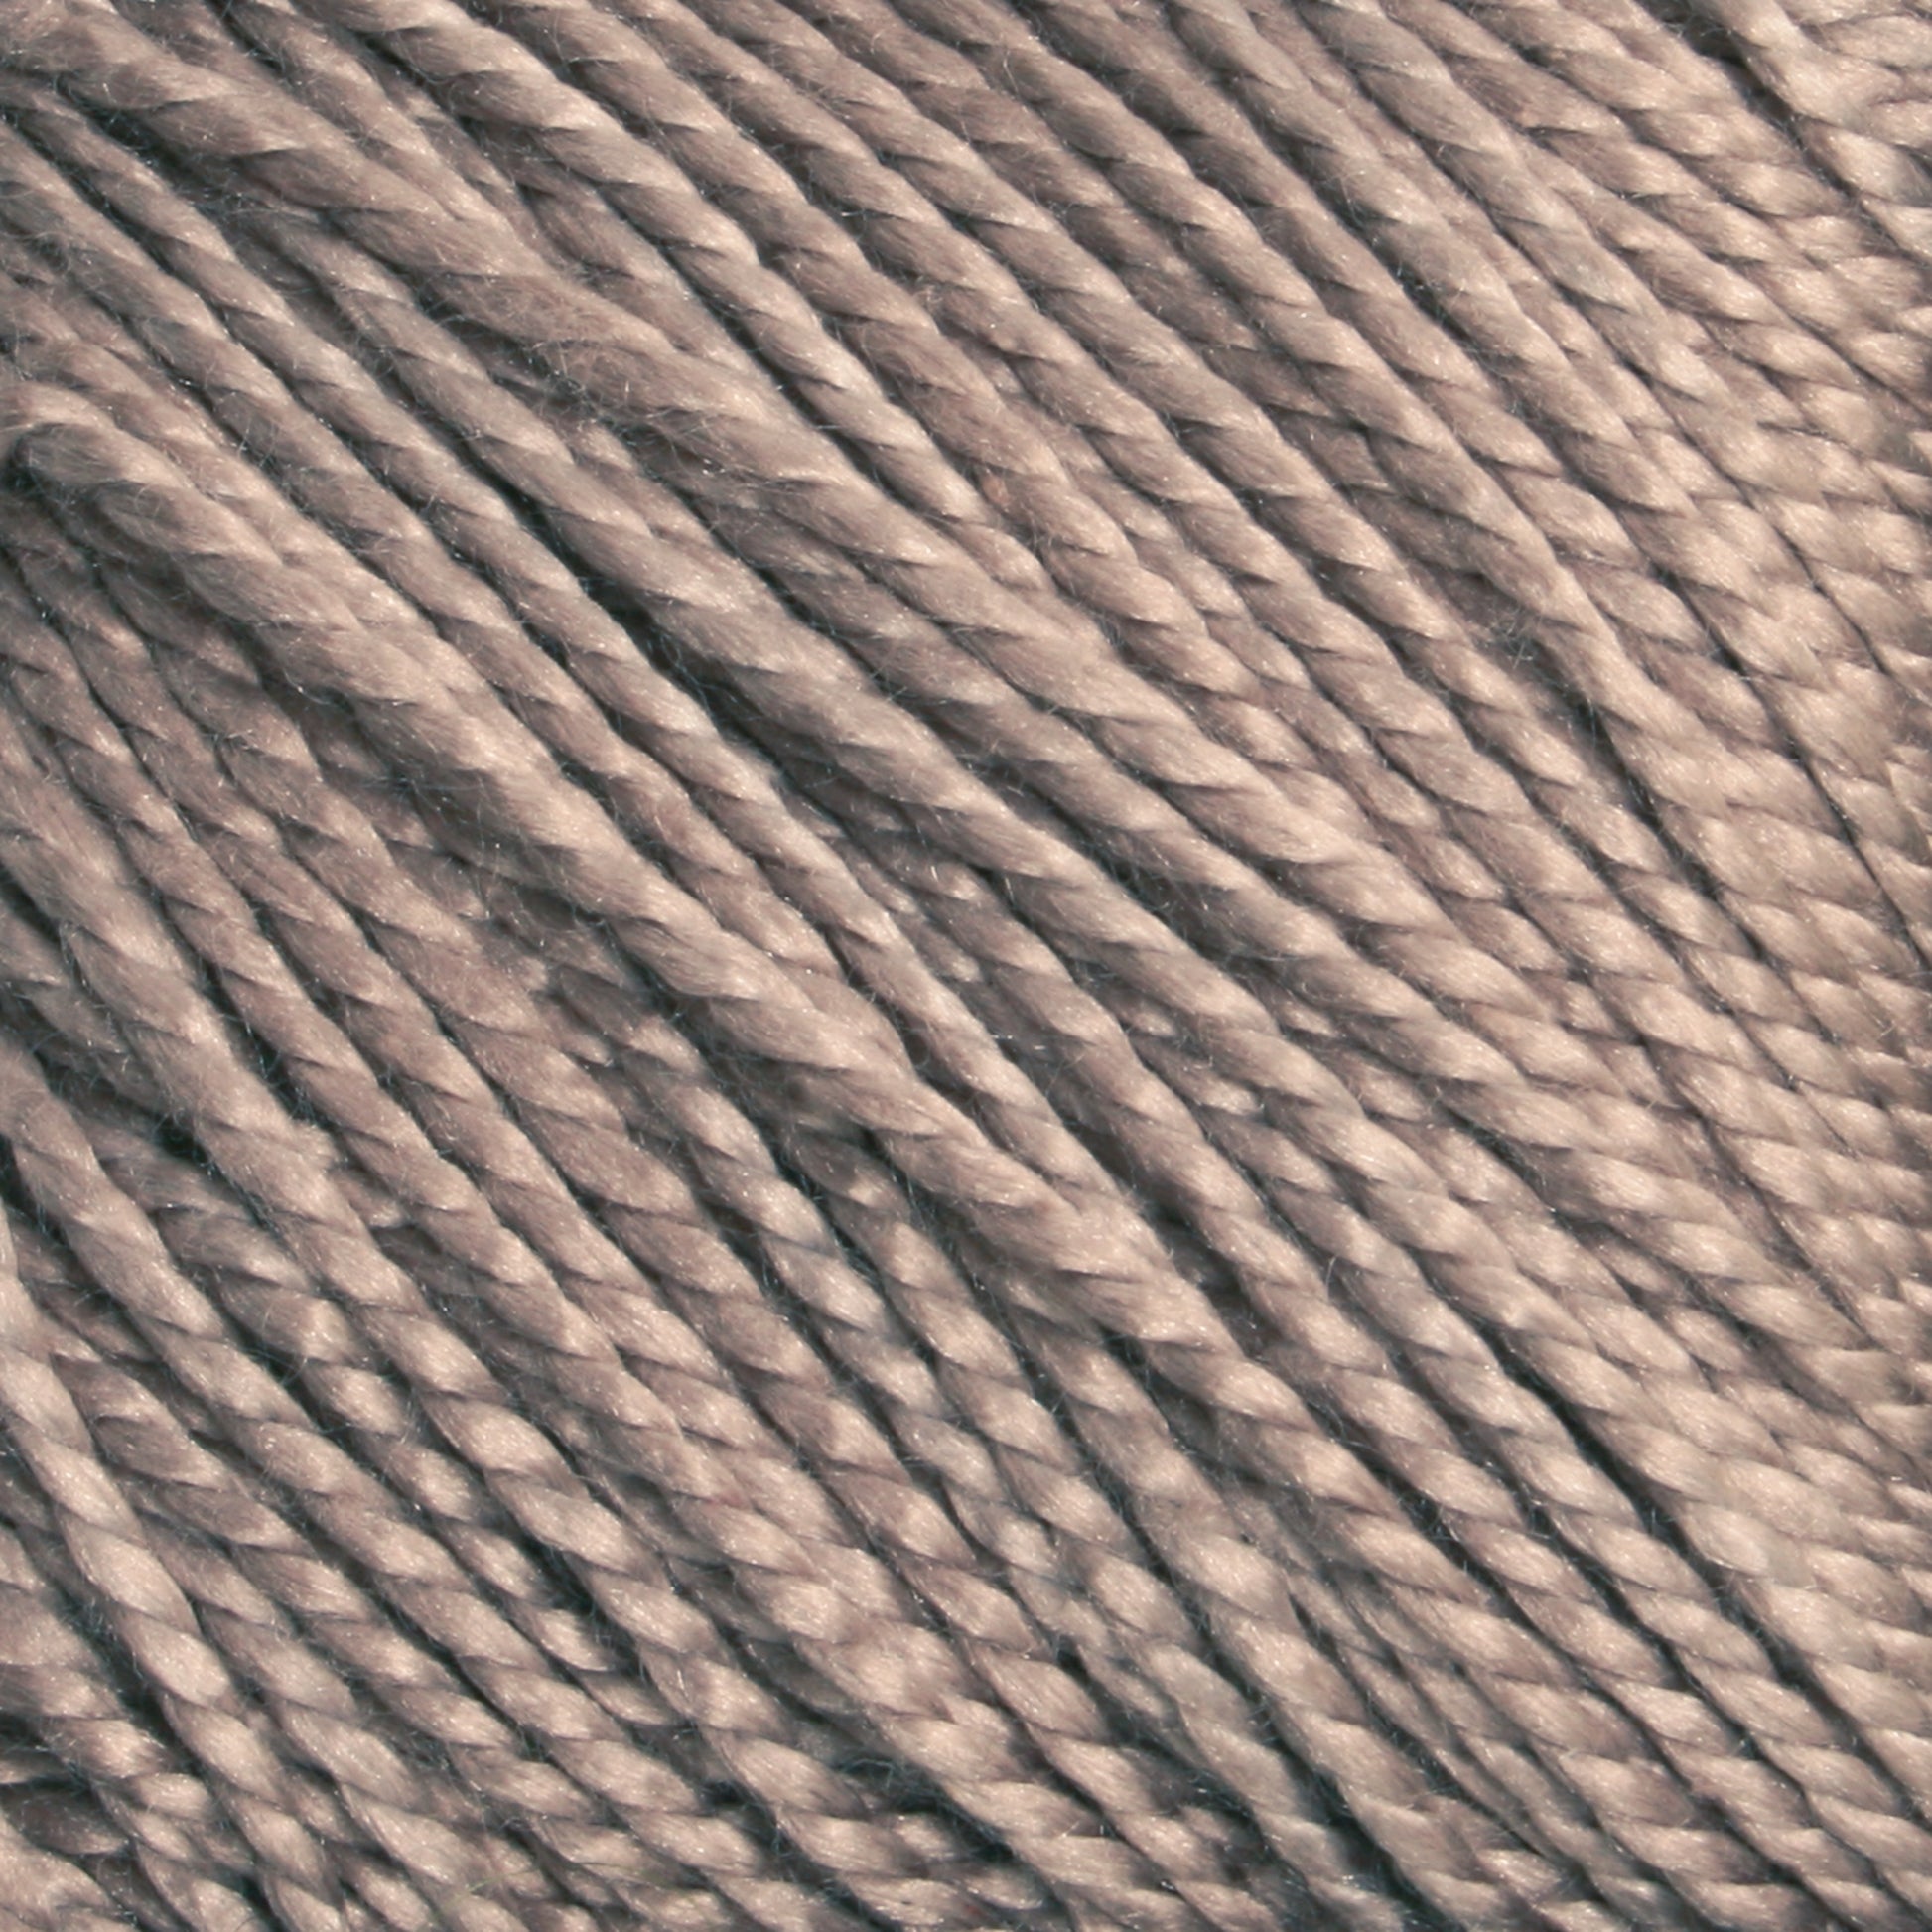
(964, 964)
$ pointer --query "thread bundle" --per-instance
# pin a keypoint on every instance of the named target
(962, 965)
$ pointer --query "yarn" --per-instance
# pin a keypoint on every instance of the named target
(963, 964)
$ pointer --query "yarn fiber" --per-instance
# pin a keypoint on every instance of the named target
(964, 964)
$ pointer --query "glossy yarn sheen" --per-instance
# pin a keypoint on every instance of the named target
(964, 964)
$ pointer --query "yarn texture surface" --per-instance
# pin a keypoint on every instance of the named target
(965, 964)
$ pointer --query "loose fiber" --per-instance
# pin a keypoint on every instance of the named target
(965, 964)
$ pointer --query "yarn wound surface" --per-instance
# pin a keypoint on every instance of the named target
(964, 964)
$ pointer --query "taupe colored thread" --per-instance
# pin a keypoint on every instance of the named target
(963, 963)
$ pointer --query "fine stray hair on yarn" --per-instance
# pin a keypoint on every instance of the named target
(964, 964)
